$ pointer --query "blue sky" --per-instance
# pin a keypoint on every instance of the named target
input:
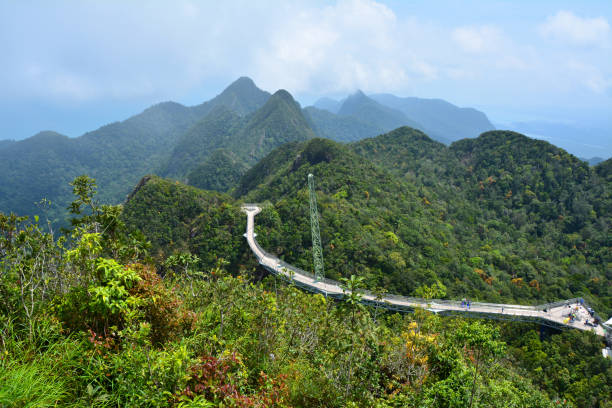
(72, 66)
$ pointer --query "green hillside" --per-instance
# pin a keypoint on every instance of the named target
(221, 171)
(167, 138)
(404, 211)
(528, 210)
(113, 321)
(190, 319)
(117, 155)
(247, 139)
(215, 130)
(176, 217)
(279, 121)
(173, 141)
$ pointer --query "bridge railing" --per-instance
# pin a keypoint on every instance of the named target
(252, 205)
(261, 250)
(494, 307)
(559, 303)
(302, 272)
(391, 300)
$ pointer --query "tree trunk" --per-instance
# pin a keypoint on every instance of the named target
(475, 376)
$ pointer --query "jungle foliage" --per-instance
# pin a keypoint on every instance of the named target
(93, 318)
(502, 218)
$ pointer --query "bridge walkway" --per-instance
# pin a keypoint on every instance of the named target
(550, 314)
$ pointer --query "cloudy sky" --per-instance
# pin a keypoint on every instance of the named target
(72, 66)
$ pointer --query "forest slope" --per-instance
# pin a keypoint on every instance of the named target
(404, 212)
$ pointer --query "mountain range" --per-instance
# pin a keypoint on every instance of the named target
(168, 306)
(439, 119)
(176, 141)
(502, 218)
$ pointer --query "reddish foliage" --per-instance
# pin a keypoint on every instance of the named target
(101, 343)
(163, 309)
(219, 380)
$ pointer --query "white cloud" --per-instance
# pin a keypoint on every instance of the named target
(150, 51)
(478, 40)
(566, 27)
(590, 77)
(340, 47)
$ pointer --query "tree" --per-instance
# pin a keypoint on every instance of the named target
(84, 189)
(184, 264)
(352, 296)
(482, 344)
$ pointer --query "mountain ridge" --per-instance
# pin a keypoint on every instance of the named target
(402, 210)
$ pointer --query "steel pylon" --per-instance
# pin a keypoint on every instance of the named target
(317, 250)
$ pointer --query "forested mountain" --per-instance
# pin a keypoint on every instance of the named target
(438, 118)
(279, 121)
(358, 105)
(241, 97)
(117, 155)
(523, 199)
(339, 128)
(406, 213)
(219, 172)
(441, 119)
(502, 218)
(248, 138)
(5, 143)
(245, 122)
(183, 218)
(109, 321)
(160, 302)
(214, 131)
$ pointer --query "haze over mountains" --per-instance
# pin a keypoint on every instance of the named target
(441, 120)
(588, 139)
(174, 140)
(209, 145)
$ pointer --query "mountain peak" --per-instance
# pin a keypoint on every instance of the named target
(358, 95)
(279, 121)
(241, 83)
(241, 96)
(284, 95)
(48, 135)
(361, 106)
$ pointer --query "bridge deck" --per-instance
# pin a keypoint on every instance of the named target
(554, 314)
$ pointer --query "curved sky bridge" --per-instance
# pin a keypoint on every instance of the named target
(551, 314)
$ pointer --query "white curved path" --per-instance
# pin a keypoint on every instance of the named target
(555, 313)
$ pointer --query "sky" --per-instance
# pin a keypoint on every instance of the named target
(72, 66)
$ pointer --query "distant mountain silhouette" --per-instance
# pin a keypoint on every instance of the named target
(328, 104)
(440, 119)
